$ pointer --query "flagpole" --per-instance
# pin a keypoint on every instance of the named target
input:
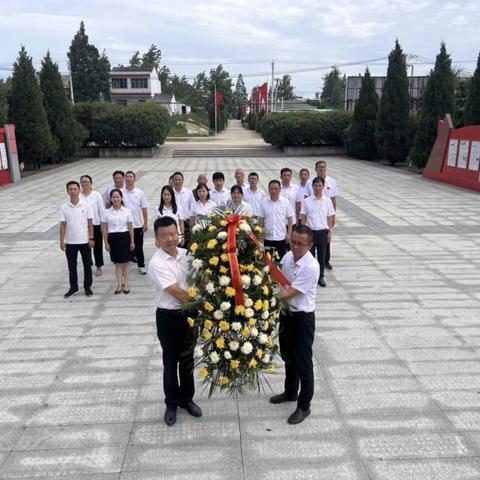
(215, 86)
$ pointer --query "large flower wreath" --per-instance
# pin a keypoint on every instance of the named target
(233, 294)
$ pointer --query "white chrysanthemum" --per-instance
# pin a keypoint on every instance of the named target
(233, 345)
(254, 332)
(218, 314)
(265, 315)
(266, 358)
(249, 313)
(197, 264)
(225, 306)
(263, 338)
(247, 348)
(273, 301)
(223, 280)
(244, 226)
(197, 228)
(198, 352)
(266, 268)
(257, 280)
(245, 280)
(214, 357)
(236, 326)
(227, 355)
(210, 288)
(222, 235)
(248, 302)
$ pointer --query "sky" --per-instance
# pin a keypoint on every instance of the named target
(246, 35)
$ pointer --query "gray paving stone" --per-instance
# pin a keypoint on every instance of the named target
(8, 437)
(89, 395)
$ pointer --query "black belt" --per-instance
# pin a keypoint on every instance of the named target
(167, 310)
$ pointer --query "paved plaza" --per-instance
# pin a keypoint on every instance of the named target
(397, 348)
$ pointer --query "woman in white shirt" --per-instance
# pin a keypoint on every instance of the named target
(237, 204)
(203, 206)
(117, 227)
(169, 208)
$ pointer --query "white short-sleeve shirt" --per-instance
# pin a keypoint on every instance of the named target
(275, 216)
(164, 271)
(95, 201)
(303, 276)
(254, 199)
(117, 220)
(76, 219)
(220, 198)
(290, 193)
(317, 211)
(186, 199)
(135, 201)
(200, 208)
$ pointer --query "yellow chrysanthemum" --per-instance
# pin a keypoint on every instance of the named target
(266, 324)
(270, 342)
(250, 268)
(203, 372)
(228, 212)
(252, 321)
(225, 246)
(245, 332)
(243, 268)
(239, 310)
(230, 292)
(207, 335)
(192, 292)
(220, 342)
(214, 261)
(266, 305)
(224, 326)
(265, 290)
(191, 321)
(211, 228)
(234, 364)
(257, 252)
(259, 353)
(224, 381)
(252, 363)
(208, 272)
(212, 243)
(208, 324)
(194, 247)
(223, 223)
(224, 257)
(258, 229)
(258, 305)
(208, 307)
(212, 216)
(270, 369)
(223, 269)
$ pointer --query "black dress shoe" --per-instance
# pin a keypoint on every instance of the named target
(282, 397)
(88, 292)
(193, 409)
(329, 266)
(170, 417)
(298, 416)
(70, 292)
(321, 282)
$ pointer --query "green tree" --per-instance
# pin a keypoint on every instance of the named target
(136, 60)
(438, 99)
(392, 125)
(333, 93)
(180, 87)
(361, 141)
(473, 101)
(5, 87)
(88, 69)
(239, 97)
(285, 88)
(67, 132)
(26, 111)
(152, 57)
(462, 90)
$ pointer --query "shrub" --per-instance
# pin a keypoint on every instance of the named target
(305, 128)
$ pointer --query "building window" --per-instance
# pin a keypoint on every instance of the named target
(119, 83)
(139, 83)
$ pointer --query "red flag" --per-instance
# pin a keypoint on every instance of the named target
(218, 98)
(263, 93)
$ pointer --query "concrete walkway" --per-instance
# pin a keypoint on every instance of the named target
(397, 349)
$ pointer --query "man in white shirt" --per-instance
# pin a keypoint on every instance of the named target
(95, 200)
(219, 194)
(297, 327)
(135, 200)
(289, 190)
(302, 192)
(240, 178)
(168, 271)
(253, 194)
(76, 235)
(185, 198)
(276, 212)
(118, 182)
(317, 213)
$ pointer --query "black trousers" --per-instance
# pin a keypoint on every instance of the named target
(279, 246)
(138, 239)
(177, 339)
(320, 242)
(327, 253)
(71, 252)
(98, 248)
(297, 330)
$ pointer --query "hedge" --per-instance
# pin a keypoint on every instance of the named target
(111, 125)
(305, 128)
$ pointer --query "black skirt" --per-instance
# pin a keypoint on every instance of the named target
(120, 247)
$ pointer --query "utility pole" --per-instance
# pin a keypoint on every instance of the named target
(215, 102)
(271, 96)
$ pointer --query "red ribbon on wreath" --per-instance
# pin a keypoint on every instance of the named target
(233, 223)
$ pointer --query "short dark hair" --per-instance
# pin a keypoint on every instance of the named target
(199, 187)
(271, 182)
(318, 180)
(320, 162)
(118, 172)
(286, 169)
(218, 176)
(130, 172)
(304, 170)
(177, 173)
(163, 222)
(302, 230)
(253, 174)
(72, 182)
(86, 176)
(236, 188)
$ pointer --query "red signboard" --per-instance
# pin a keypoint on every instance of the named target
(5, 177)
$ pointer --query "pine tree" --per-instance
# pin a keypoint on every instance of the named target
(26, 111)
(65, 129)
(392, 125)
(472, 114)
(104, 76)
(239, 98)
(438, 99)
(136, 60)
(333, 93)
(5, 86)
(285, 89)
(361, 142)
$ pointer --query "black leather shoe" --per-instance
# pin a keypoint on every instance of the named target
(193, 409)
(282, 397)
(70, 292)
(321, 282)
(170, 417)
(329, 266)
(88, 292)
(298, 416)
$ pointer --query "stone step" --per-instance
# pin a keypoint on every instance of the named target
(228, 152)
